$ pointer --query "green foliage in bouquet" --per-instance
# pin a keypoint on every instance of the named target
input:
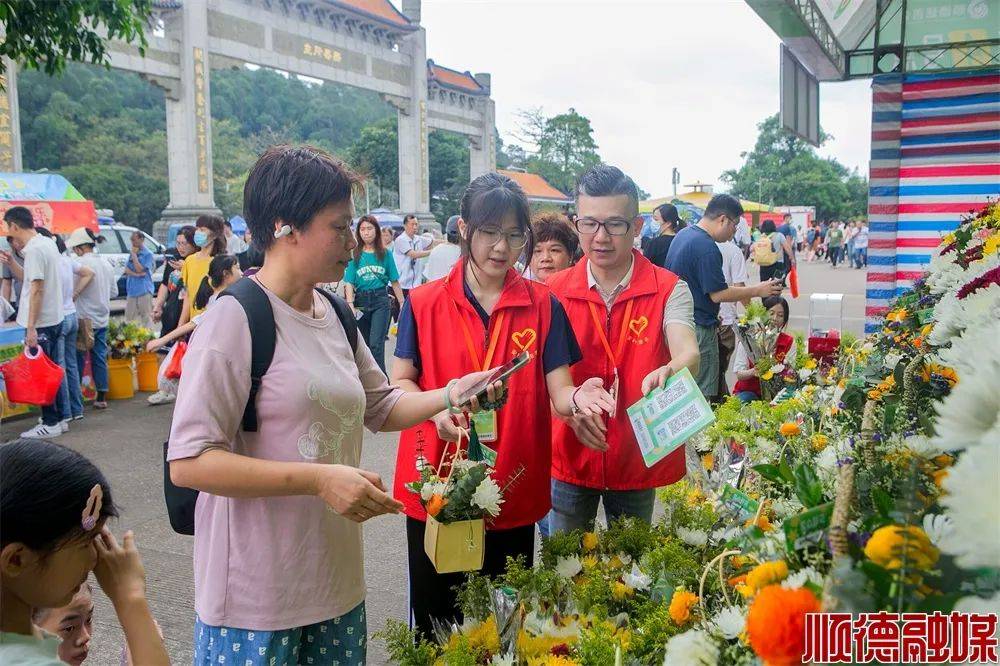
(460, 505)
(404, 645)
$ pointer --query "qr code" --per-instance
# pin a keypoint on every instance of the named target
(672, 394)
(683, 419)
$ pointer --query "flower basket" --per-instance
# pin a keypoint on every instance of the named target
(457, 502)
(454, 547)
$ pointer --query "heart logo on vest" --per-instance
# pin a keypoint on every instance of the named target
(638, 325)
(524, 339)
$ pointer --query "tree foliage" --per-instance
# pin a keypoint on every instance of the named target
(784, 170)
(45, 33)
(106, 132)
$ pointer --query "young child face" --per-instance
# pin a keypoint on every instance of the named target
(73, 625)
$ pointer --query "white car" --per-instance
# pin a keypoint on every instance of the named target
(116, 249)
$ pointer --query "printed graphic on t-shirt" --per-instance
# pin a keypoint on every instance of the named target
(323, 441)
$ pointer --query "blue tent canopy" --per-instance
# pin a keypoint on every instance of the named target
(239, 225)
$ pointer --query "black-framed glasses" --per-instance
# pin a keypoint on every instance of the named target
(516, 240)
(615, 226)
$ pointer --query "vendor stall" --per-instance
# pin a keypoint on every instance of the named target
(53, 201)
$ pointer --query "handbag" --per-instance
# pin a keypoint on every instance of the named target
(85, 335)
(32, 379)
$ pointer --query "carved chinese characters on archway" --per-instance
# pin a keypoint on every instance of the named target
(6, 131)
(201, 119)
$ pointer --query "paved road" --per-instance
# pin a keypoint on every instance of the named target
(126, 443)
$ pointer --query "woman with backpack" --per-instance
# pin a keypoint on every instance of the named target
(275, 392)
(769, 251)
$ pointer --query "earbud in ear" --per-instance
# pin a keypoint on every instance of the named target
(285, 230)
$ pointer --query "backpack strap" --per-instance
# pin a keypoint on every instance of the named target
(263, 337)
(346, 316)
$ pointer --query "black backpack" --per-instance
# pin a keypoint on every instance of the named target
(260, 317)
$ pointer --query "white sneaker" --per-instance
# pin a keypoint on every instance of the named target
(42, 431)
(64, 424)
(161, 398)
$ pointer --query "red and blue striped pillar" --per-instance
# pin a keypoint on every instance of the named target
(935, 157)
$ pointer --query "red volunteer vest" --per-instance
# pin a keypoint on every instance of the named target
(523, 446)
(621, 467)
(781, 347)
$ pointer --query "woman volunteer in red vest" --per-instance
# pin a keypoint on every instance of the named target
(747, 387)
(480, 316)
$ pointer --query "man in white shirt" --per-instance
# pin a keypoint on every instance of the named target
(734, 270)
(234, 244)
(443, 257)
(410, 251)
(41, 307)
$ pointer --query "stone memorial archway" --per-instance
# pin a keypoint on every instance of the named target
(363, 43)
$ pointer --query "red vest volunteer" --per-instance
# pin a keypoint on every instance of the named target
(453, 335)
(621, 346)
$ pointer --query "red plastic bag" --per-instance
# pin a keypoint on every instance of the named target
(793, 281)
(32, 379)
(173, 370)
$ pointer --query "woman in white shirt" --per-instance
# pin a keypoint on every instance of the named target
(93, 306)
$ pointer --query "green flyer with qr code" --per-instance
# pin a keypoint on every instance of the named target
(669, 416)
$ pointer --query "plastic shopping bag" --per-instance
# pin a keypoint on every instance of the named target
(174, 359)
(793, 281)
(162, 382)
(32, 378)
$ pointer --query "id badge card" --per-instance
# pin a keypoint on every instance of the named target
(614, 391)
(486, 425)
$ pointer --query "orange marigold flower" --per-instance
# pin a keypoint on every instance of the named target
(789, 429)
(708, 461)
(680, 606)
(435, 504)
(776, 624)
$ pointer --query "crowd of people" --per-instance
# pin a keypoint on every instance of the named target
(837, 242)
(274, 449)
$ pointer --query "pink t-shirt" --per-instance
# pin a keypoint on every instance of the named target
(277, 562)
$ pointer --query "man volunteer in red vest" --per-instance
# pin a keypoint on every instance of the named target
(634, 323)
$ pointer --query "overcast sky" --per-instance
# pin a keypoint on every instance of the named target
(665, 83)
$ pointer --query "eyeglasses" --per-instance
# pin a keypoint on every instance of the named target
(493, 235)
(615, 226)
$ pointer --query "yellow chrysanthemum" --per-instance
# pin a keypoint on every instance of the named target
(529, 646)
(588, 562)
(897, 315)
(991, 245)
(810, 364)
(819, 441)
(620, 591)
(590, 541)
(874, 394)
(889, 545)
(708, 461)
(933, 369)
(482, 635)
(766, 574)
(949, 238)
(552, 660)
